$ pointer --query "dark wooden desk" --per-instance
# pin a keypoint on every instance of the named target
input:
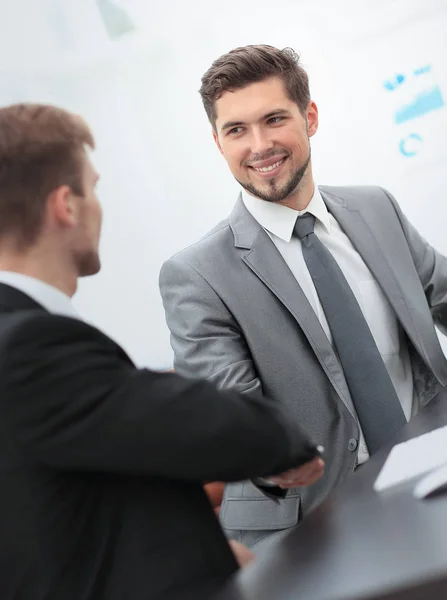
(359, 544)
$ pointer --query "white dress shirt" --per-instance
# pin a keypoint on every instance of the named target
(44, 294)
(279, 222)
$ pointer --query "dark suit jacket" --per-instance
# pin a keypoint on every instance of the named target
(102, 465)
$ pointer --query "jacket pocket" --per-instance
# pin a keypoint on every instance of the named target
(259, 513)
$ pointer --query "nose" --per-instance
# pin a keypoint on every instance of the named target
(260, 141)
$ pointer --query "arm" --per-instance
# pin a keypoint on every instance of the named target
(431, 267)
(209, 344)
(72, 400)
(206, 338)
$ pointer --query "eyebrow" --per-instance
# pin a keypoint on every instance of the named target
(273, 113)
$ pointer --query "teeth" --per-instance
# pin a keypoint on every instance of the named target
(270, 168)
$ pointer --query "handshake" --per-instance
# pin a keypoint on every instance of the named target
(306, 474)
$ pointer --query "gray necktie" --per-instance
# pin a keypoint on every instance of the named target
(378, 408)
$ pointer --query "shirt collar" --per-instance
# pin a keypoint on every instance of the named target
(51, 298)
(280, 220)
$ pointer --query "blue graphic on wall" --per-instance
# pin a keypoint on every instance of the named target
(116, 19)
(422, 70)
(421, 105)
(409, 146)
(393, 84)
(426, 101)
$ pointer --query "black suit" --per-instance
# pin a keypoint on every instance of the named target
(101, 465)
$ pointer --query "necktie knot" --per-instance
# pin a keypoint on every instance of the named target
(304, 225)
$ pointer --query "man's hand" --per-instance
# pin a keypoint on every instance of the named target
(243, 555)
(301, 476)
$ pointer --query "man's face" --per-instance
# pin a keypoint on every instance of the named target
(265, 138)
(86, 239)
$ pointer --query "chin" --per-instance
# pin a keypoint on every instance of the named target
(90, 267)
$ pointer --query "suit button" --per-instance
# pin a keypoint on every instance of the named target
(352, 444)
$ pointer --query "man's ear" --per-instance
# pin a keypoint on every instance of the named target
(63, 207)
(312, 118)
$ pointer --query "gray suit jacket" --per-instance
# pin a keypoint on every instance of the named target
(239, 319)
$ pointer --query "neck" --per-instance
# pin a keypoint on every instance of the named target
(44, 266)
(302, 195)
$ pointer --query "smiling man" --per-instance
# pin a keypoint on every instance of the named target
(321, 298)
(264, 136)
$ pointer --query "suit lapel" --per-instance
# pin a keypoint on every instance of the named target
(361, 237)
(266, 262)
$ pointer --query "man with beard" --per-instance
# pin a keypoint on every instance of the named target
(321, 298)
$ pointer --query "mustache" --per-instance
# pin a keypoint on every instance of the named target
(258, 157)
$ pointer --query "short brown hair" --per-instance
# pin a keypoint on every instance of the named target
(41, 148)
(250, 64)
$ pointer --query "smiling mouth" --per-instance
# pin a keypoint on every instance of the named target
(270, 168)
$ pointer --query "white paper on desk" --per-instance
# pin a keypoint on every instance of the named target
(413, 458)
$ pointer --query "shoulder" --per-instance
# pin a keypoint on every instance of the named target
(357, 193)
(364, 198)
(39, 329)
(210, 245)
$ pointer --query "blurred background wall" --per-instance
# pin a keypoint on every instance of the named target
(132, 68)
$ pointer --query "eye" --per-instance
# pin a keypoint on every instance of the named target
(235, 131)
(275, 120)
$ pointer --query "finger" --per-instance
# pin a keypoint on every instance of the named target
(292, 479)
(310, 464)
(310, 474)
(307, 471)
(299, 484)
(310, 479)
(302, 471)
(302, 478)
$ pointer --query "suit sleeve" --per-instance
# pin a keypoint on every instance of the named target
(205, 336)
(431, 267)
(206, 339)
(70, 399)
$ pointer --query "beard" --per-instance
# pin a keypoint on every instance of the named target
(88, 263)
(274, 193)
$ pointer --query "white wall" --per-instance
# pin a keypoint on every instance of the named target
(163, 182)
